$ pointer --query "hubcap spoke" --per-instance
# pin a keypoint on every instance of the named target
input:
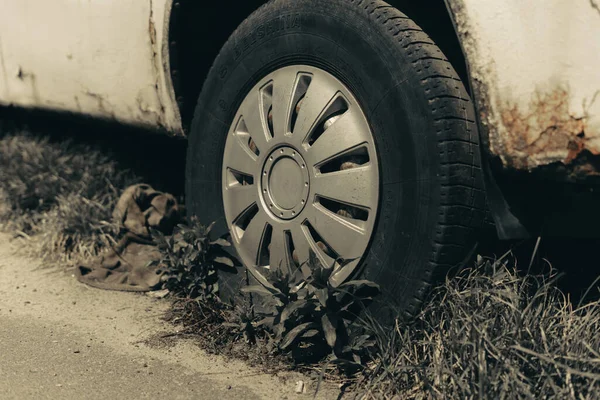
(326, 260)
(251, 113)
(283, 91)
(240, 159)
(346, 133)
(253, 237)
(352, 186)
(241, 198)
(320, 94)
(278, 252)
(301, 243)
(344, 239)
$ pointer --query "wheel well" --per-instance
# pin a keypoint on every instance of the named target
(198, 30)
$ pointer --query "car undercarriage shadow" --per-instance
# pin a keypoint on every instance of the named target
(154, 156)
(575, 260)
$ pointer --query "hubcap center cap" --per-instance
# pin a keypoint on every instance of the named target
(285, 183)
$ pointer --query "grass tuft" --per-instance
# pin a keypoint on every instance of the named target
(59, 193)
(491, 333)
(76, 228)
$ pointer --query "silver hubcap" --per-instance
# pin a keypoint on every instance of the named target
(300, 172)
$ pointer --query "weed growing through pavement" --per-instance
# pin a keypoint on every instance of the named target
(192, 261)
(314, 320)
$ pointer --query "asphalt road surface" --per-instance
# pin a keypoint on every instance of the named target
(60, 339)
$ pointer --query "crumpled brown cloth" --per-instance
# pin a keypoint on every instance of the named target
(125, 266)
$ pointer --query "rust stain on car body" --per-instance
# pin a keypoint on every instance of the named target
(535, 95)
(546, 133)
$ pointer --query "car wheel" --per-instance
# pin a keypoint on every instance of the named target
(338, 126)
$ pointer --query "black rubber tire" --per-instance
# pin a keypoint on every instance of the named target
(432, 200)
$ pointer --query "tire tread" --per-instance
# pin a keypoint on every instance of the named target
(463, 203)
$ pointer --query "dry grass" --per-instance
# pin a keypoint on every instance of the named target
(59, 195)
(491, 333)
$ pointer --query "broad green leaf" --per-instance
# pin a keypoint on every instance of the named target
(322, 295)
(267, 321)
(295, 306)
(221, 242)
(210, 227)
(329, 323)
(362, 340)
(224, 260)
(260, 290)
(311, 333)
(295, 334)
